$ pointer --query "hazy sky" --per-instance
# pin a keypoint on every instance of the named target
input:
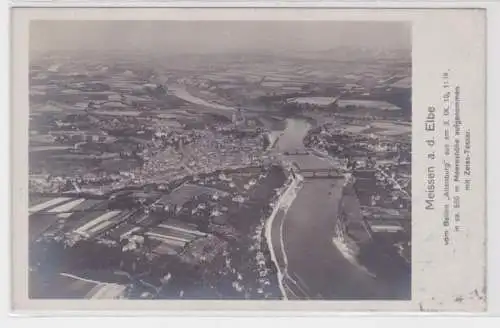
(216, 36)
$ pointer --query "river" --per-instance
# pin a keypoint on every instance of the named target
(183, 94)
(292, 137)
(291, 140)
(302, 236)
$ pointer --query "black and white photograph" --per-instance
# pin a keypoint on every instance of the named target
(220, 160)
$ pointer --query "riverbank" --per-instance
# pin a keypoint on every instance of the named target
(284, 201)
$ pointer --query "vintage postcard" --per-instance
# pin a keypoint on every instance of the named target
(248, 159)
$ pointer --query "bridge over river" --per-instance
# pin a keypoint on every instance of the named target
(301, 237)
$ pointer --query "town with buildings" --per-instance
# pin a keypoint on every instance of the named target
(167, 179)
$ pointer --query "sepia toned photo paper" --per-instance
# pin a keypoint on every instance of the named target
(291, 160)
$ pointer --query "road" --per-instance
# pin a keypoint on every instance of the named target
(301, 238)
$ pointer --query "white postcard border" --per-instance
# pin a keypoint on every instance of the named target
(428, 27)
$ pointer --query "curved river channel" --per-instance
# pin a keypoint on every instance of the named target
(301, 236)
